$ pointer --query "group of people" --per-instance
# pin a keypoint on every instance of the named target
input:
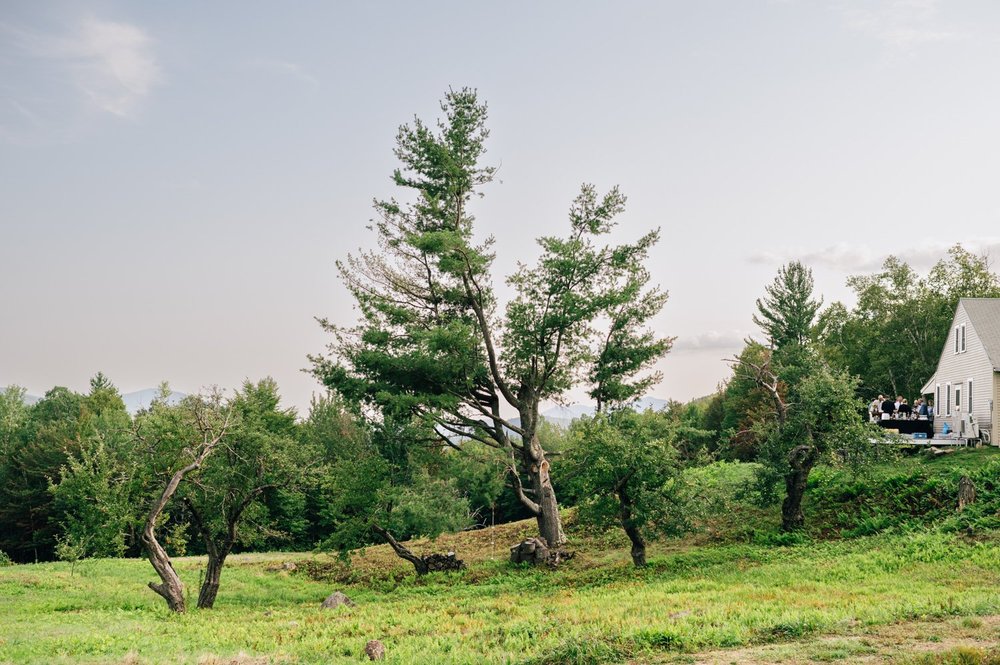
(884, 408)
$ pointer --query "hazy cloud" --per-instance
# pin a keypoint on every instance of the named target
(900, 25)
(854, 257)
(112, 63)
(713, 340)
(285, 68)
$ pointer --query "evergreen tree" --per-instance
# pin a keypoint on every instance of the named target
(432, 343)
(787, 312)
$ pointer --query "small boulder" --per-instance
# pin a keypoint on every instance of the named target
(336, 599)
(288, 565)
(375, 650)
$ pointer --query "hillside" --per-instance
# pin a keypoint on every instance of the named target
(728, 593)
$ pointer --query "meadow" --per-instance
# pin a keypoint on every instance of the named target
(871, 580)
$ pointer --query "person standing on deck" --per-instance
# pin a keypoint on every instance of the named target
(888, 408)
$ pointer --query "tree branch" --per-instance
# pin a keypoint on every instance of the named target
(519, 489)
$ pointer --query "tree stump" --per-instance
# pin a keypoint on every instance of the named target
(375, 650)
(532, 550)
(966, 492)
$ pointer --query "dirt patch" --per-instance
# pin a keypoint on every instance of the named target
(863, 644)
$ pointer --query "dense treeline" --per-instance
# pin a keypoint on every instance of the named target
(78, 471)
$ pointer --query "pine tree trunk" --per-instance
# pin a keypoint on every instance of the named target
(800, 461)
(549, 521)
(547, 513)
(533, 463)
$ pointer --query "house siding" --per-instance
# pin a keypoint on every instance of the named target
(957, 369)
(995, 434)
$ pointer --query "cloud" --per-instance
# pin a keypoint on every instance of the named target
(851, 257)
(111, 63)
(901, 25)
(285, 68)
(712, 340)
(114, 64)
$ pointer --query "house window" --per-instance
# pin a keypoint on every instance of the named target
(956, 339)
(937, 399)
(963, 338)
(947, 399)
(958, 398)
(969, 392)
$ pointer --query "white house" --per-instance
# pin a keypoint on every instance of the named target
(967, 380)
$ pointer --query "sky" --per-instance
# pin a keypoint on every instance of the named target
(178, 179)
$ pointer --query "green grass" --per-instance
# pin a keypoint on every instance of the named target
(709, 597)
(715, 590)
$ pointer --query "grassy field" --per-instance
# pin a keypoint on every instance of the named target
(727, 594)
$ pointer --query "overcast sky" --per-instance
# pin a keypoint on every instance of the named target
(177, 179)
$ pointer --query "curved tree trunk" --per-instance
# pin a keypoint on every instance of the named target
(402, 551)
(638, 542)
(213, 575)
(801, 460)
(171, 588)
(216, 560)
(217, 552)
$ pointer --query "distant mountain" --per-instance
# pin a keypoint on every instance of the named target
(134, 401)
(141, 399)
(564, 415)
(650, 404)
(28, 399)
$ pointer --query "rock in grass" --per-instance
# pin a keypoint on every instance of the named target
(285, 565)
(336, 599)
(375, 650)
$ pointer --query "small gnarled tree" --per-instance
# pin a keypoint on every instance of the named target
(177, 440)
(627, 470)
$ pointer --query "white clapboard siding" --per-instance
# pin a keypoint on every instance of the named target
(973, 363)
(995, 434)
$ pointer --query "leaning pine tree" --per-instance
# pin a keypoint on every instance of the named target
(434, 343)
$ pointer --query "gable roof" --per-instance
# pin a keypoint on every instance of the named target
(984, 313)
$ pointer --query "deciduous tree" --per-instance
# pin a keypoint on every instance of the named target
(178, 440)
(628, 471)
(259, 454)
